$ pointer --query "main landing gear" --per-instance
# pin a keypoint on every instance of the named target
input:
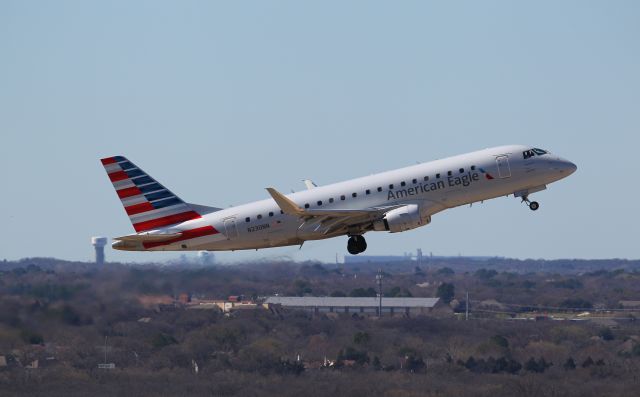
(533, 205)
(356, 244)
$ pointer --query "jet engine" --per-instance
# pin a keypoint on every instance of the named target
(401, 219)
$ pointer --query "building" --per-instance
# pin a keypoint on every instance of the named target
(234, 302)
(365, 306)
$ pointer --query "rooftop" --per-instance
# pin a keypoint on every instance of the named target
(310, 301)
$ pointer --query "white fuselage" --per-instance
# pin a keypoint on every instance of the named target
(433, 187)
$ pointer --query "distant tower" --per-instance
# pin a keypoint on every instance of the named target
(419, 255)
(99, 243)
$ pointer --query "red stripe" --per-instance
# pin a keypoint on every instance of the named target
(128, 192)
(138, 208)
(186, 235)
(118, 176)
(166, 221)
(108, 160)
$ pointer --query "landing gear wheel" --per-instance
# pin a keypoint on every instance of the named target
(356, 245)
(534, 206)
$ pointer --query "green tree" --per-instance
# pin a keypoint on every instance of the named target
(446, 292)
(606, 334)
(361, 338)
(362, 292)
(569, 364)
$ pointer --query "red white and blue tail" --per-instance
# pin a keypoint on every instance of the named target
(148, 204)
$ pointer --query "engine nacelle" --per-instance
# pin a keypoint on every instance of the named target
(401, 219)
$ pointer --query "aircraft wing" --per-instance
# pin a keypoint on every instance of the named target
(291, 208)
(329, 220)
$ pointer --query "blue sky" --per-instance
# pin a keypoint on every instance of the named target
(218, 100)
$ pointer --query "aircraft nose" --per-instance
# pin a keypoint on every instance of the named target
(571, 167)
(565, 167)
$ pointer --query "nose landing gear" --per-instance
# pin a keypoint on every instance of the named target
(356, 245)
(533, 205)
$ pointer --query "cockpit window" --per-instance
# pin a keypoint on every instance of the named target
(533, 152)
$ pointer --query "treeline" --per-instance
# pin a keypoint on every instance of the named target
(56, 319)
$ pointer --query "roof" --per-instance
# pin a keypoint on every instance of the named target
(309, 301)
(630, 303)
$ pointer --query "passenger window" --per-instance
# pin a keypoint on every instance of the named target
(437, 176)
(426, 178)
(319, 202)
(247, 219)
(449, 173)
(259, 216)
(306, 205)
(354, 194)
(270, 213)
(391, 186)
(368, 191)
(282, 212)
(462, 170)
(379, 188)
(403, 183)
(415, 181)
(473, 168)
(331, 200)
(342, 197)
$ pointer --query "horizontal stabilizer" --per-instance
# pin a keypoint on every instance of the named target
(203, 209)
(149, 237)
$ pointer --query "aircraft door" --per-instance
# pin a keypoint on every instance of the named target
(230, 228)
(504, 171)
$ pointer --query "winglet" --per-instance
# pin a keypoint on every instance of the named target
(285, 204)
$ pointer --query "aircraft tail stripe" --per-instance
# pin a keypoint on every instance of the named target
(158, 213)
(150, 188)
(165, 221)
(128, 192)
(186, 235)
(118, 176)
(138, 208)
(108, 160)
(167, 203)
(112, 168)
(143, 180)
(158, 195)
(134, 172)
(129, 201)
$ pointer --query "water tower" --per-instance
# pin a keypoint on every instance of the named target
(99, 243)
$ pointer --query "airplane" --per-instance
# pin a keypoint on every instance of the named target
(393, 201)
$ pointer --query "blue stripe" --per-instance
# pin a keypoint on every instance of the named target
(158, 195)
(142, 180)
(134, 173)
(150, 188)
(119, 158)
(125, 165)
(166, 203)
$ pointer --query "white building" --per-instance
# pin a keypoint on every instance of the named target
(366, 306)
